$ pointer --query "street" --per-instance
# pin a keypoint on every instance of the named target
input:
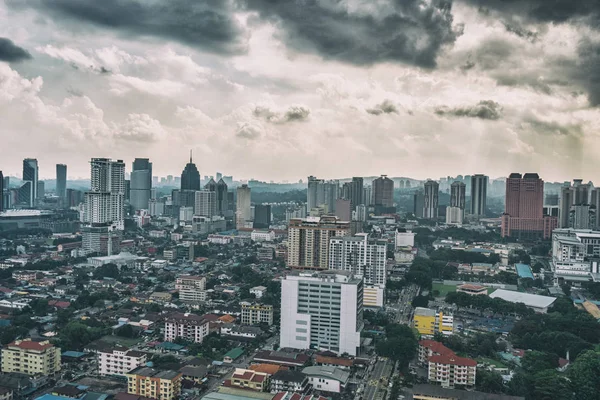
(377, 380)
(403, 307)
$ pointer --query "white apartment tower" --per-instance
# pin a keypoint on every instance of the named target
(119, 360)
(322, 311)
(206, 203)
(362, 256)
(105, 202)
(243, 214)
(308, 240)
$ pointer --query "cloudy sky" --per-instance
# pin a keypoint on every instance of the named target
(281, 89)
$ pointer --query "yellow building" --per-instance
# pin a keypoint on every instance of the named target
(249, 379)
(428, 322)
(155, 384)
(31, 358)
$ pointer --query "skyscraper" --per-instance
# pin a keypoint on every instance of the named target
(206, 203)
(222, 201)
(61, 182)
(320, 192)
(383, 191)
(322, 311)
(574, 206)
(356, 192)
(455, 212)
(30, 174)
(524, 208)
(190, 177)
(431, 196)
(243, 207)
(308, 240)
(418, 203)
(479, 184)
(262, 216)
(363, 256)
(41, 190)
(595, 205)
(1, 192)
(140, 184)
(105, 202)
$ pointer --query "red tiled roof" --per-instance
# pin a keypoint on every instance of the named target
(59, 304)
(246, 375)
(30, 345)
(344, 362)
(270, 369)
(453, 360)
(280, 395)
(258, 378)
(563, 362)
(471, 287)
(436, 347)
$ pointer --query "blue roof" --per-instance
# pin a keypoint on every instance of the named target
(4, 322)
(524, 271)
(49, 396)
(170, 346)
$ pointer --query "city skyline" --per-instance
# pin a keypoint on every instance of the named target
(490, 86)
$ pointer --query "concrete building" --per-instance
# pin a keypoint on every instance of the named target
(309, 240)
(446, 368)
(327, 378)
(479, 185)
(455, 212)
(205, 203)
(262, 216)
(418, 203)
(31, 358)
(472, 290)
(243, 213)
(364, 257)
(105, 202)
(61, 183)
(354, 191)
(190, 177)
(575, 209)
(191, 288)
(404, 239)
(30, 180)
(322, 311)
(258, 291)
(119, 360)
(154, 384)
(289, 381)
(322, 193)
(254, 314)
(429, 322)
(249, 380)
(430, 200)
(575, 254)
(383, 192)
(188, 326)
(342, 209)
(141, 184)
(524, 208)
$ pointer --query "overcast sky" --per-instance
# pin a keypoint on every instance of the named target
(282, 89)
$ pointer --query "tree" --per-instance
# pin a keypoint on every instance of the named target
(126, 331)
(106, 271)
(534, 361)
(584, 373)
(488, 381)
(420, 301)
(549, 385)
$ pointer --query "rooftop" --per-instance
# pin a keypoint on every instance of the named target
(154, 373)
(328, 372)
(424, 312)
(524, 271)
(24, 213)
(530, 300)
(434, 391)
(28, 344)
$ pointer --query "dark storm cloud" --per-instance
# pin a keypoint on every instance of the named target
(588, 69)
(545, 10)
(10, 52)
(293, 113)
(485, 109)
(387, 107)
(409, 31)
(206, 24)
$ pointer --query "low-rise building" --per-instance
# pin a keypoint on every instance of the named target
(154, 384)
(473, 290)
(25, 276)
(446, 368)
(262, 236)
(248, 379)
(327, 379)
(258, 291)
(289, 381)
(188, 326)
(537, 303)
(119, 360)
(253, 314)
(282, 357)
(191, 288)
(240, 332)
(160, 297)
(31, 358)
(428, 322)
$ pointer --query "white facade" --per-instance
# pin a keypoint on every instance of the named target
(191, 288)
(105, 202)
(186, 214)
(220, 239)
(454, 215)
(258, 291)
(572, 250)
(119, 361)
(206, 203)
(262, 236)
(243, 206)
(405, 239)
(187, 326)
(253, 314)
(365, 257)
(322, 311)
(327, 378)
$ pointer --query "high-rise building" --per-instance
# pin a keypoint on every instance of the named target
(575, 209)
(206, 203)
(41, 190)
(74, 197)
(418, 203)
(308, 240)
(190, 177)
(342, 210)
(595, 205)
(354, 191)
(383, 191)
(262, 216)
(455, 212)
(61, 182)
(31, 358)
(362, 256)
(479, 185)
(524, 208)
(222, 201)
(321, 193)
(243, 214)
(150, 383)
(30, 174)
(141, 184)
(1, 192)
(430, 203)
(322, 311)
(368, 196)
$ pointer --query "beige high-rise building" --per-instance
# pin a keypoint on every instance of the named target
(31, 358)
(243, 214)
(308, 240)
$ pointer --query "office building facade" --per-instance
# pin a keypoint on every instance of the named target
(61, 182)
(105, 202)
(322, 311)
(575, 254)
(309, 240)
(205, 203)
(254, 314)
(479, 184)
(30, 182)
(262, 216)
(430, 200)
(140, 184)
(383, 192)
(190, 177)
(243, 214)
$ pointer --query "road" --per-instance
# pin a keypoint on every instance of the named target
(403, 307)
(377, 380)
